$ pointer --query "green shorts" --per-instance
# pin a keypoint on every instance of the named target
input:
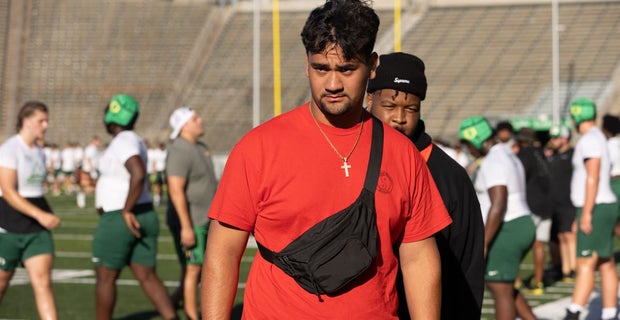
(615, 187)
(19, 247)
(512, 242)
(115, 247)
(601, 239)
(193, 255)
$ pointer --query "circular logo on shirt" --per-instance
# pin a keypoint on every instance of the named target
(385, 183)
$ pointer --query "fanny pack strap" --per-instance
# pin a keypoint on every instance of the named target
(372, 174)
(376, 153)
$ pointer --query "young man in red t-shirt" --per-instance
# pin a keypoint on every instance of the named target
(297, 169)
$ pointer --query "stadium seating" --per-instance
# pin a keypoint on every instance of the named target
(482, 59)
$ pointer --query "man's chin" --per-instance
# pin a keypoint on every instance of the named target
(335, 109)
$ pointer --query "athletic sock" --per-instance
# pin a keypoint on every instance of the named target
(574, 308)
(608, 313)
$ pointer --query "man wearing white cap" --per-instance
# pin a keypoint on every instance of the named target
(191, 186)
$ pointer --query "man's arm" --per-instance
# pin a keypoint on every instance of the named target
(421, 267)
(497, 211)
(220, 271)
(8, 185)
(176, 189)
(593, 166)
(137, 174)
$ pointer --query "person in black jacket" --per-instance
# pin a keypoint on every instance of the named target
(538, 188)
(563, 211)
(395, 96)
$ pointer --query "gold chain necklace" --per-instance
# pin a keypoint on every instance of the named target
(345, 165)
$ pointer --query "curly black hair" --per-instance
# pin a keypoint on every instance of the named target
(352, 25)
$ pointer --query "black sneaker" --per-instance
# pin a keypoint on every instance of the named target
(572, 315)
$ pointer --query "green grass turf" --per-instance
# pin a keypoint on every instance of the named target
(75, 298)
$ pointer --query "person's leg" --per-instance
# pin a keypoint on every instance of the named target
(39, 269)
(571, 240)
(5, 277)
(503, 294)
(154, 289)
(584, 281)
(523, 309)
(175, 232)
(177, 294)
(567, 247)
(105, 292)
(609, 282)
(555, 253)
(538, 251)
(190, 284)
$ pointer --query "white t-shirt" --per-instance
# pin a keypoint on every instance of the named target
(500, 167)
(91, 154)
(150, 167)
(460, 157)
(29, 162)
(78, 156)
(159, 160)
(113, 184)
(613, 146)
(68, 159)
(56, 159)
(591, 145)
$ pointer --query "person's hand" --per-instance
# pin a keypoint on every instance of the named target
(132, 223)
(48, 220)
(585, 223)
(188, 238)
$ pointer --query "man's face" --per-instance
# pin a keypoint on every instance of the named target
(398, 109)
(337, 85)
(195, 125)
(36, 124)
(557, 143)
(504, 135)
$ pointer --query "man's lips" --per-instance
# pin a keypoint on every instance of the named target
(334, 98)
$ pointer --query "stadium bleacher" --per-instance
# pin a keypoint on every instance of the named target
(481, 59)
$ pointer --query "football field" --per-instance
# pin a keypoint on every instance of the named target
(74, 278)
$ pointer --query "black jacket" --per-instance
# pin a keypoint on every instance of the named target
(461, 244)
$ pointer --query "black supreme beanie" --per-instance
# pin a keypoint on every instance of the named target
(400, 71)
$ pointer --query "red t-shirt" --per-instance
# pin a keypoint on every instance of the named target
(283, 177)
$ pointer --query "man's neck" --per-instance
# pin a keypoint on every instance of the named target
(28, 139)
(190, 138)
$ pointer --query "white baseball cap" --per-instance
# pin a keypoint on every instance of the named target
(178, 119)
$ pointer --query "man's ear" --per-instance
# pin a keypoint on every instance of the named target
(369, 101)
(307, 71)
(374, 61)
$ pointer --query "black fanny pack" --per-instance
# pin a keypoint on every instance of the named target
(340, 248)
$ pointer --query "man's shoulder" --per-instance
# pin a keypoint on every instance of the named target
(9, 147)
(442, 166)
(10, 142)
(179, 148)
